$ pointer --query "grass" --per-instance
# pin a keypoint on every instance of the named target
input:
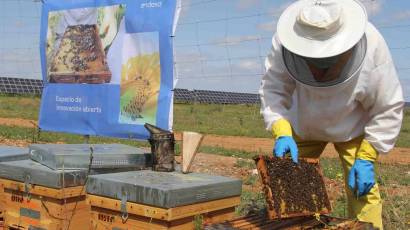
(332, 168)
(248, 164)
(404, 137)
(227, 152)
(31, 135)
(19, 107)
(231, 120)
(251, 180)
(251, 202)
(394, 174)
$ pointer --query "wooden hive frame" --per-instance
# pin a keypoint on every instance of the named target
(106, 214)
(43, 207)
(91, 77)
(265, 179)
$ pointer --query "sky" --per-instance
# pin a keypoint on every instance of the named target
(219, 44)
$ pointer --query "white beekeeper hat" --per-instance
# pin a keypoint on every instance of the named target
(321, 28)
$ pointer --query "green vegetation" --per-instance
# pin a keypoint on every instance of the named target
(332, 168)
(248, 164)
(396, 211)
(231, 120)
(19, 107)
(251, 180)
(251, 202)
(339, 207)
(404, 137)
(198, 222)
(227, 152)
(32, 135)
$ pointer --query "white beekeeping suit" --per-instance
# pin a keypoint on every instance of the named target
(330, 78)
(369, 103)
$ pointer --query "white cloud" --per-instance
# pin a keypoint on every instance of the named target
(250, 65)
(373, 7)
(403, 15)
(267, 26)
(234, 40)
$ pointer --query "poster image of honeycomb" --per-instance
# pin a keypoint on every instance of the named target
(140, 79)
(77, 43)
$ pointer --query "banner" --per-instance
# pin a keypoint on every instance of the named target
(107, 66)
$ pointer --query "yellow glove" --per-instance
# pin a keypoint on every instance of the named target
(281, 128)
(367, 151)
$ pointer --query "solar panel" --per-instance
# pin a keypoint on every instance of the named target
(21, 86)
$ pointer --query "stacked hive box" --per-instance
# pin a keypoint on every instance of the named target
(49, 193)
(160, 200)
(9, 153)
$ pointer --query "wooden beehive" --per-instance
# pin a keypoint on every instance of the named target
(296, 189)
(106, 214)
(80, 57)
(259, 222)
(44, 207)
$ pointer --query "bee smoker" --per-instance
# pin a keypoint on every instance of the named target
(162, 148)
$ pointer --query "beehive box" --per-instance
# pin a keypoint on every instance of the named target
(80, 57)
(11, 153)
(37, 197)
(160, 200)
(259, 222)
(292, 189)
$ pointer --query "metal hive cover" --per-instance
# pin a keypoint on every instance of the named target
(34, 173)
(163, 189)
(77, 156)
(11, 153)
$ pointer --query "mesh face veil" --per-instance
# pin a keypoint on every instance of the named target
(298, 66)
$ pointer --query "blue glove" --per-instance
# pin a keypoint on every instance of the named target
(361, 177)
(286, 144)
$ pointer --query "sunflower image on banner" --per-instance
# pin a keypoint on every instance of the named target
(107, 66)
(140, 79)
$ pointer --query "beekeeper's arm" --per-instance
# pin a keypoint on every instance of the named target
(383, 99)
(384, 102)
(276, 99)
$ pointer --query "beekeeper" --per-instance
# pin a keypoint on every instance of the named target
(330, 78)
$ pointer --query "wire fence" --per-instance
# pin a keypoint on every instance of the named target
(219, 45)
(23, 86)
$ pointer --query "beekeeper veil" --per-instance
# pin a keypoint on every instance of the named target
(324, 43)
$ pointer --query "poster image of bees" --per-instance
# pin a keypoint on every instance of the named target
(78, 41)
(140, 79)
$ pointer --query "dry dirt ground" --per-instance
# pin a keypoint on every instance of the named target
(264, 145)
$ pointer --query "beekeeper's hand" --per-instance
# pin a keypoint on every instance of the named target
(361, 175)
(282, 132)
